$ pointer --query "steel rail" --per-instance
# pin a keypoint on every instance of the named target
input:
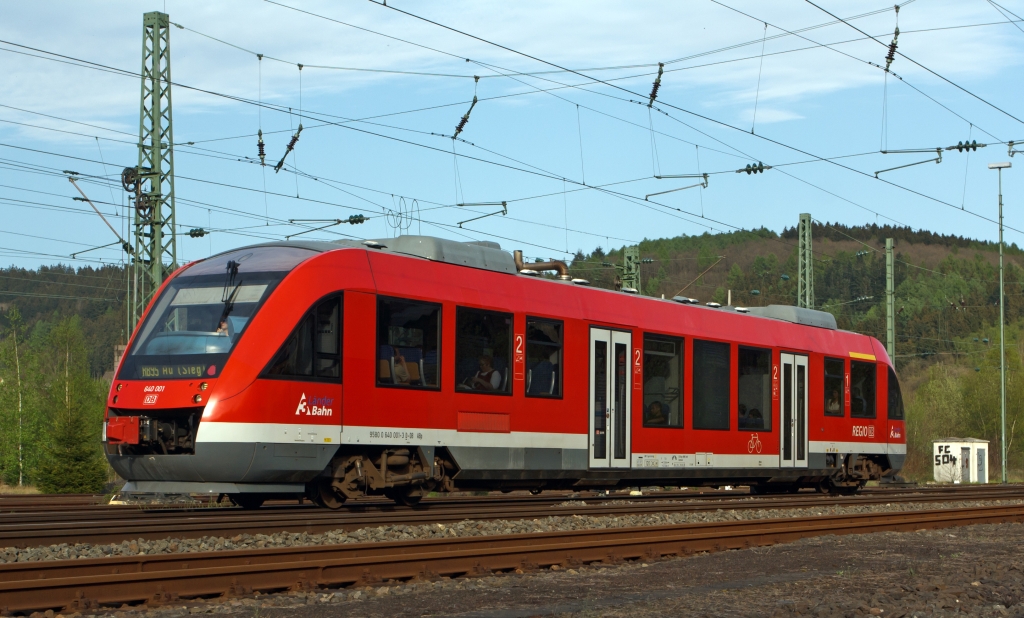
(118, 526)
(76, 585)
(48, 503)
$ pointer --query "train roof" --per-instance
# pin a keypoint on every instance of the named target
(487, 255)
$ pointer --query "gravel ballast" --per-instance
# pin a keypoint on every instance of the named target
(468, 528)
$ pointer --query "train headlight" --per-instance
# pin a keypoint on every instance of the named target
(119, 387)
(197, 398)
(203, 386)
(115, 398)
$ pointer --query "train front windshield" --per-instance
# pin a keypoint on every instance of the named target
(201, 314)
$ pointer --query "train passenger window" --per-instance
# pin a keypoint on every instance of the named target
(543, 358)
(313, 349)
(408, 337)
(895, 397)
(711, 391)
(835, 369)
(862, 389)
(754, 411)
(483, 349)
(663, 381)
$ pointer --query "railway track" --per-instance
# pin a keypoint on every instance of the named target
(77, 585)
(116, 524)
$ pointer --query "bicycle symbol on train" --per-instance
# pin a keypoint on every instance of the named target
(754, 444)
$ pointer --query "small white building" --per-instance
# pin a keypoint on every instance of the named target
(960, 460)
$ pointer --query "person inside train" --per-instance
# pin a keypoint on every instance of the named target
(744, 418)
(222, 328)
(858, 404)
(488, 378)
(833, 403)
(754, 419)
(402, 375)
(656, 414)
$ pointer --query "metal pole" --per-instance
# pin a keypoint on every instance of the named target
(890, 304)
(1002, 342)
(805, 264)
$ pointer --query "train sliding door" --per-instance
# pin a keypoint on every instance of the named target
(610, 381)
(794, 412)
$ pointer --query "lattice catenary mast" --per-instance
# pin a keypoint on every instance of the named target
(152, 181)
(805, 264)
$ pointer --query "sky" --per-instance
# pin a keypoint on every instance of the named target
(561, 132)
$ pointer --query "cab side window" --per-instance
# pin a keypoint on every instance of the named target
(408, 336)
(862, 389)
(834, 375)
(895, 397)
(313, 350)
(543, 358)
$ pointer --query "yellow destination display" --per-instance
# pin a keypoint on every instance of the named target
(172, 371)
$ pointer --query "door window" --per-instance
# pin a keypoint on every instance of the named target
(600, 411)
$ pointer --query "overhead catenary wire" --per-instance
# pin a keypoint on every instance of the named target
(690, 112)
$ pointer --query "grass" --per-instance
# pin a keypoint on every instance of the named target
(15, 490)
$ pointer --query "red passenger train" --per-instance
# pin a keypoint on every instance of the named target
(416, 364)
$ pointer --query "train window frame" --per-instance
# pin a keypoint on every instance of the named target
(560, 373)
(766, 396)
(698, 384)
(890, 381)
(841, 376)
(680, 343)
(312, 314)
(872, 370)
(378, 345)
(460, 312)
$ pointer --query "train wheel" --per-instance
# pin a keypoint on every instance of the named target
(248, 501)
(322, 493)
(405, 496)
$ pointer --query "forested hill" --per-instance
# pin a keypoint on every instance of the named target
(45, 296)
(946, 285)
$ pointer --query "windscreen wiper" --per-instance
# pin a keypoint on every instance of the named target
(230, 292)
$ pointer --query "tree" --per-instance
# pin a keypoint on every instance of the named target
(72, 461)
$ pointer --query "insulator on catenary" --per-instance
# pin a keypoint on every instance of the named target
(291, 146)
(657, 84)
(262, 149)
(892, 49)
(354, 219)
(462, 123)
(197, 232)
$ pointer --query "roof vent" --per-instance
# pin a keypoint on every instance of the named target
(797, 315)
(581, 282)
(742, 309)
(528, 272)
(373, 244)
(630, 290)
(713, 305)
